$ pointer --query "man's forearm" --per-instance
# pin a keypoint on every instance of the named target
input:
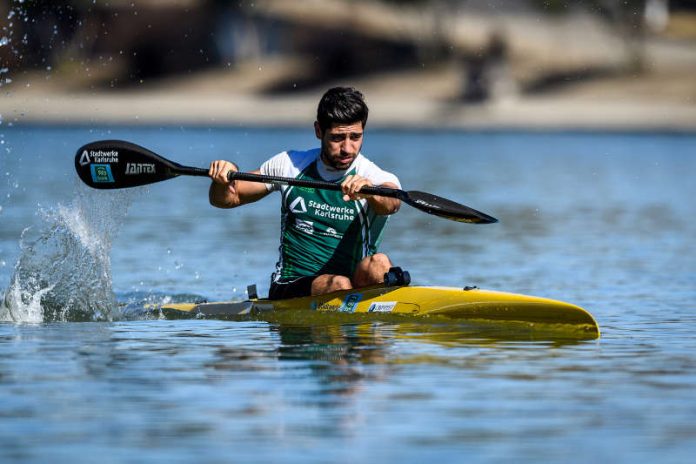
(384, 206)
(221, 197)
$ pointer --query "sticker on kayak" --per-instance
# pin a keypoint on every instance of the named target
(101, 173)
(350, 303)
(382, 307)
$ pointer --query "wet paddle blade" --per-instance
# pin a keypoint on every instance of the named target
(115, 164)
(448, 209)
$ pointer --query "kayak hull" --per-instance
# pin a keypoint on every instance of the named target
(447, 303)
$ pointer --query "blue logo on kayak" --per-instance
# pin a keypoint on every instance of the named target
(101, 173)
(351, 302)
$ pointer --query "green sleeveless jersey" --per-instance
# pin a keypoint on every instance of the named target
(320, 232)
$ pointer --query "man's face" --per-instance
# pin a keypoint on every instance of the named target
(340, 144)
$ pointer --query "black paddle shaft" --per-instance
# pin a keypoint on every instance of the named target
(318, 184)
(114, 164)
(423, 201)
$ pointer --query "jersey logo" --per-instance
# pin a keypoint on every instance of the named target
(305, 226)
(298, 205)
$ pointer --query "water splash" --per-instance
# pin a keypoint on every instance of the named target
(65, 274)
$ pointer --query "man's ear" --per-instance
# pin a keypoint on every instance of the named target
(317, 130)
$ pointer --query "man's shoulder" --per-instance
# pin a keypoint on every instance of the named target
(289, 163)
(297, 158)
(362, 161)
(302, 157)
(367, 168)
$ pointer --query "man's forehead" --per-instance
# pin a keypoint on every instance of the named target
(346, 128)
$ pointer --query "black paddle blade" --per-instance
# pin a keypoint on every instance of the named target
(114, 164)
(445, 208)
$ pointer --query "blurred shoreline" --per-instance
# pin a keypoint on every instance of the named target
(174, 105)
(429, 99)
(470, 69)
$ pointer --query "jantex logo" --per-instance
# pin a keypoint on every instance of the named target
(139, 168)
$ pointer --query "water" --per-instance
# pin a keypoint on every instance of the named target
(605, 221)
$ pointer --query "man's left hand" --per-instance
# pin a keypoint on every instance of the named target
(352, 185)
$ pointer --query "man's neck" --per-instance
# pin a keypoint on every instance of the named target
(328, 172)
(326, 165)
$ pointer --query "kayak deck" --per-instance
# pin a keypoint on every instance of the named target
(446, 303)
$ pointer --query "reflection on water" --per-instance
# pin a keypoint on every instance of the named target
(422, 387)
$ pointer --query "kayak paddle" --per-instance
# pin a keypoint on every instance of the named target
(115, 164)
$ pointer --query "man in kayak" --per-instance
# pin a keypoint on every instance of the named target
(329, 239)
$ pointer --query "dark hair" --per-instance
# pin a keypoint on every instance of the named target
(342, 105)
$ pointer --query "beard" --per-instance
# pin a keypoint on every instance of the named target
(339, 162)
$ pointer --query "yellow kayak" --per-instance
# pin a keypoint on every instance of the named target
(440, 303)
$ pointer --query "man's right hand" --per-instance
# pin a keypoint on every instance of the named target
(219, 169)
(226, 194)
